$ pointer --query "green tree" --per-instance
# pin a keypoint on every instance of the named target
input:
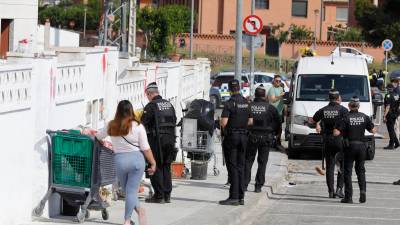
(349, 34)
(61, 15)
(379, 23)
(300, 32)
(178, 20)
(155, 29)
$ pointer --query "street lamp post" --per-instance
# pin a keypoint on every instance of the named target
(191, 30)
(238, 41)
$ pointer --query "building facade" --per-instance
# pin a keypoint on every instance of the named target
(218, 16)
(18, 21)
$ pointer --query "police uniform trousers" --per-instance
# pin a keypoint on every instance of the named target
(235, 147)
(356, 152)
(257, 143)
(161, 180)
(333, 148)
(390, 124)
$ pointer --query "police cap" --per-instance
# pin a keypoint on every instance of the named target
(333, 94)
(354, 99)
(260, 91)
(152, 87)
(354, 102)
(234, 85)
(395, 75)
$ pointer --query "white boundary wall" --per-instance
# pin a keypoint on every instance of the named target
(79, 86)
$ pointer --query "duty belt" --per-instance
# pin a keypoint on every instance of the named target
(237, 131)
(356, 142)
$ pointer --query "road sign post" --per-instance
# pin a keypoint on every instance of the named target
(253, 8)
(387, 45)
(252, 25)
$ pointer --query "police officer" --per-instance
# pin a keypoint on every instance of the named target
(352, 128)
(391, 113)
(159, 120)
(235, 118)
(266, 122)
(328, 116)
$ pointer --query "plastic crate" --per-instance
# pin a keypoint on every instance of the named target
(72, 159)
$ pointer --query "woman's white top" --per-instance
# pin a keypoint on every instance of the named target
(137, 136)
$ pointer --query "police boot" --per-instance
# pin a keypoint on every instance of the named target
(155, 200)
(339, 193)
(389, 147)
(396, 182)
(331, 195)
(347, 200)
(229, 201)
(257, 189)
(363, 197)
(396, 145)
(167, 198)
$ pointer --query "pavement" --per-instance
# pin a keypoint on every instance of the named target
(195, 202)
(307, 201)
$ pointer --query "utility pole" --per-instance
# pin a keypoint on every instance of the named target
(239, 37)
(132, 31)
(191, 31)
(253, 9)
(123, 27)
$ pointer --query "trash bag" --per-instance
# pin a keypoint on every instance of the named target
(203, 111)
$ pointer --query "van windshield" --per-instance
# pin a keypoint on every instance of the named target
(315, 87)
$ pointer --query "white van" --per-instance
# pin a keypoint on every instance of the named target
(313, 78)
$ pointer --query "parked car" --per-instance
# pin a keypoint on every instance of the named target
(348, 51)
(219, 92)
(394, 60)
(265, 79)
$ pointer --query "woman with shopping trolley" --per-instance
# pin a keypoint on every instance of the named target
(131, 147)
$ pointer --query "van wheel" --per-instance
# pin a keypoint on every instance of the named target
(371, 150)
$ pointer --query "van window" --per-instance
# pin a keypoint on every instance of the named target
(316, 87)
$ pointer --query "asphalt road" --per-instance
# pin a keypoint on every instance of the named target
(307, 201)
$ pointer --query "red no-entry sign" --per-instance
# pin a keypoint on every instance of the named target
(252, 25)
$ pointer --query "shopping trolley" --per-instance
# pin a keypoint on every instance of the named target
(79, 165)
(199, 147)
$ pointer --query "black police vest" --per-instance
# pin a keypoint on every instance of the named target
(331, 115)
(261, 119)
(356, 122)
(240, 113)
(394, 104)
(165, 114)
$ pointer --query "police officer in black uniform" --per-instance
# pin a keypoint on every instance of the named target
(328, 116)
(235, 118)
(266, 123)
(391, 113)
(352, 128)
(159, 120)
